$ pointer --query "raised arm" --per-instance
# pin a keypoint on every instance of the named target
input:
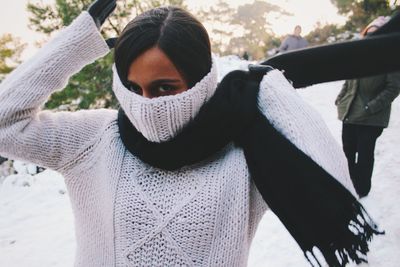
(284, 46)
(42, 137)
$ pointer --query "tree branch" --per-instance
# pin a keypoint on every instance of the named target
(115, 28)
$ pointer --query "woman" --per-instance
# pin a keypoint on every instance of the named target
(364, 107)
(166, 180)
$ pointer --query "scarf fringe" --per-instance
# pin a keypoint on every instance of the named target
(354, 248)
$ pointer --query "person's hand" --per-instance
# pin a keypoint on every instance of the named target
(100, 10)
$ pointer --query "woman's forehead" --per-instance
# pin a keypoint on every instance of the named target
(152, 64)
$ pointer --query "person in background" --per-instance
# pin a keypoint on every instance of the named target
(246, 55)
(183, 172)
(364, 107)
(293, 41)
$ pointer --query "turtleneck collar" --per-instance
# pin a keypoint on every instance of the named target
(162, 118)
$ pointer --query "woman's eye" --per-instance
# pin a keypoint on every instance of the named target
(165, 88)
(134, 88)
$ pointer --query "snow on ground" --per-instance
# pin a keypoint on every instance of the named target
(273, 246)
(36, 222)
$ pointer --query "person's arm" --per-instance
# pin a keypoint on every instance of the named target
(302, 125)
(342, 92)
(50, 139)
(284, 46)
(388, 94)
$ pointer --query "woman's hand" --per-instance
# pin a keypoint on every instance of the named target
(100, 10)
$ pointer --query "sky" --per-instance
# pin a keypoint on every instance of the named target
(14, 17)
(305, 13)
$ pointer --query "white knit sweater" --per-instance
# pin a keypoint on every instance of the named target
(128, 213)
(160, 119)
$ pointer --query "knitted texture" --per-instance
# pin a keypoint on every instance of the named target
(302, 125)
(126, 212)
(50, 139)
(160, 119)
(202, 215)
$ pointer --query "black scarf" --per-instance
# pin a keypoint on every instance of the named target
(373, 55)
(315, 208)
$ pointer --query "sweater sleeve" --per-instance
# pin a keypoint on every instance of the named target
(50, 139)
(302, 125)
(387, 95)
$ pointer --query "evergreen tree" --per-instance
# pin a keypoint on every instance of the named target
(323, 34)
(257, 36)
(219, 17)
(244, 29)
(10, 52)
(91, 87)
(362, 12)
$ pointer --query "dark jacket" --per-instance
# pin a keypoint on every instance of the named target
(367, 101)
(293, 42)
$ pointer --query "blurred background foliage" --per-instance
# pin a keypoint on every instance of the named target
(235, 31)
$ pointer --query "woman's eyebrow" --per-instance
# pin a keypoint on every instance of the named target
(161, 81)
(156, 82)
(166, 80)
(132, 83)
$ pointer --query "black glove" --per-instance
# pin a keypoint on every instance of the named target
(100, 10)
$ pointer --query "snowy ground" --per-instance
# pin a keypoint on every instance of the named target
(273, 246)
(36, 222)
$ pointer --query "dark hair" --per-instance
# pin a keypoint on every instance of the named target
(173, 30)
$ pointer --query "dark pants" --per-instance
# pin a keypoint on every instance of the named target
(359, 145)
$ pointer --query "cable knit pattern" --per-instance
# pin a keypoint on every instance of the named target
(160, 119)
(126, 212)
(190, 217)
(302, 125)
